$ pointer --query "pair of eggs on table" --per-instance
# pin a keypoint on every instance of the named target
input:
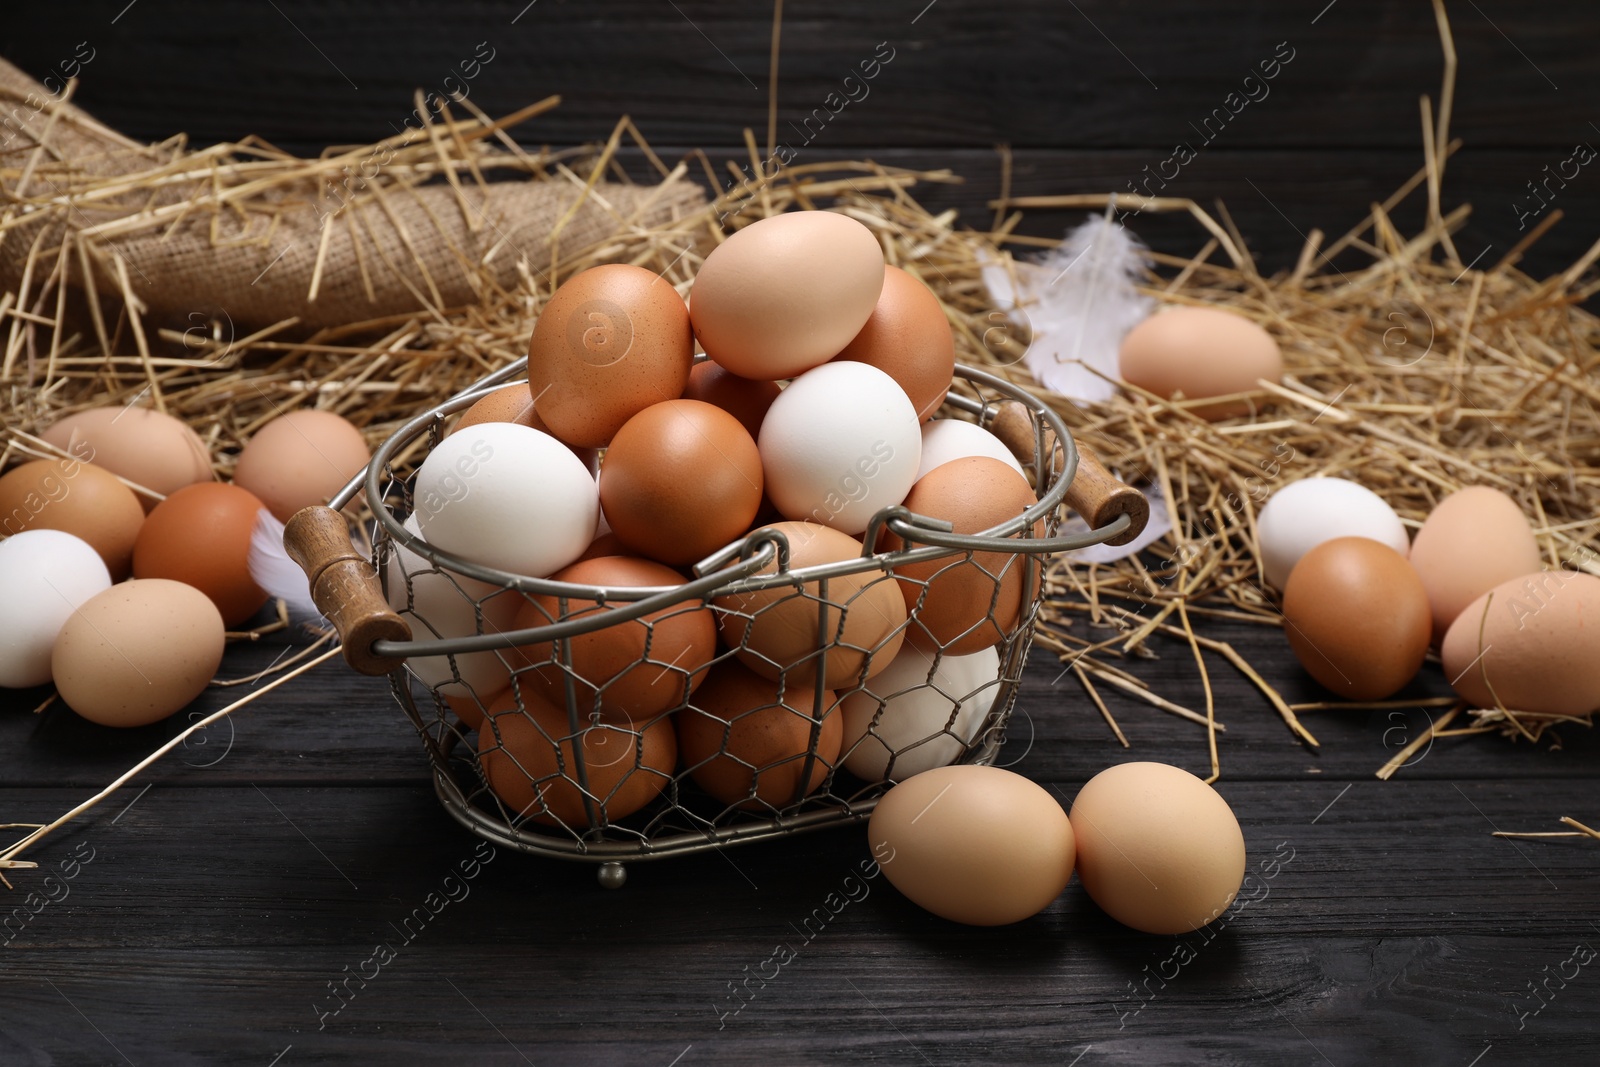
(1363, 602)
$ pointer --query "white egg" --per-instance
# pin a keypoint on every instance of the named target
(44, 576)
(507, 496)
(1303, 514)
(930, 714)
(439, 604)
(946, 439)
(840, 443)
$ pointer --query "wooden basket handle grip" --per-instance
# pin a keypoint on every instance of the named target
(344, 587)
(1095, 493)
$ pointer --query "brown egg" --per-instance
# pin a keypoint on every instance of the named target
(607, 544)
(909, 339)
(138, 652)
(1356, 616)
(963, 605)
(300, 459)
(1530, 642)
(531, 762)
(744, 398)
(610, 342)
(1474, 539)
(144, 446)
(973, 844)
(511, 403)
(1158, 849)
(200, 536)
(1200, 352)
(745, 743)
(76, 498)
(681, 479)
(635, 669)
(774, 631)
(786, 293)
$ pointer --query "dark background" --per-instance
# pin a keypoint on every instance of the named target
(272, 853)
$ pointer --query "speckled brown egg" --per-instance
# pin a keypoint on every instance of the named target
(147, 447)
(1356, 616)
(637, 668)
(909, 339)
(1200, 352)
(745, 742)
(774, 631)
(746, 399)
(200, 536)
(76, 498)
(613, 340)
(681, 479)
(1531, 643)
(300, 459)
(531, 762)
(958, 604)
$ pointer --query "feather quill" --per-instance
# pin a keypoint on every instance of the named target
(278, 575)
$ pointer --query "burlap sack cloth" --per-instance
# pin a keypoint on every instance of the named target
(392, 248)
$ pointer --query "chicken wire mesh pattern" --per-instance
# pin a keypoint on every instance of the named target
(542, 744)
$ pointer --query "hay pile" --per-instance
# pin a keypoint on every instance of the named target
(1410, 371)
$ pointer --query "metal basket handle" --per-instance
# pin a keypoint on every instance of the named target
(345, 587)
(1095, 493)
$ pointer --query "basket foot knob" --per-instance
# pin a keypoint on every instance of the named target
(612, 875)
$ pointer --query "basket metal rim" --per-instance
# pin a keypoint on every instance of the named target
(755, 551)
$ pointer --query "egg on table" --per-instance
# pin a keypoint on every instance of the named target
(1529, 645)
(1473, 540)
(1303, 514)
(45, 575)
(76, 498)
(200, 535)
(147, 447)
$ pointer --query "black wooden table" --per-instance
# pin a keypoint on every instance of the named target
(229, 907)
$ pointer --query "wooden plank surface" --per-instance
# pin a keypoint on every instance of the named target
(207, 916)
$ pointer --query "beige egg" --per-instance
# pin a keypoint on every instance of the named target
(138, 652)
(976, 845)
(300, 459)
(147, 447)
(786, 293)
(1474, 539)
(1531, 642)
(1200, 352)
(1158, 849)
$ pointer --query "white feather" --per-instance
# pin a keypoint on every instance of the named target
(273, 570)
(1081, 300)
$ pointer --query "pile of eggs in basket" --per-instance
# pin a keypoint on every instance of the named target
(875, 674)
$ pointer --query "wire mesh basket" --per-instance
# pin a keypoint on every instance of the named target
(756, 698)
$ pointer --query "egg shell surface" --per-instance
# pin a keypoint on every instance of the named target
(147, 447)
(610, 342)
(786, 293)
(1198, 353)
(200, 535)
(839, 444)
(1473, 540)
(76, 498)
(908, 338)
(137, 652)
(508, 497)
(1158, 849)
(299, 459)
(1306, 513)
(45, 575)
(1531, 642)
(973, 844)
